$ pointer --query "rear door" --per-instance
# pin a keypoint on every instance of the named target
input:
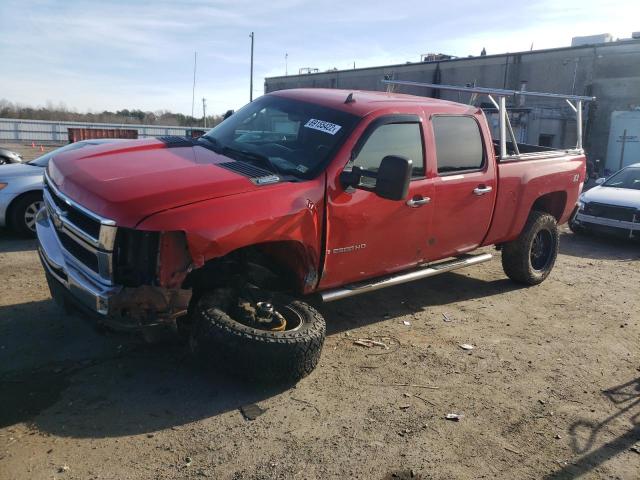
(368, 235)
(465, 184)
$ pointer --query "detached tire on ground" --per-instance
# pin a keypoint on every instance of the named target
(256, 354)
(530, 258)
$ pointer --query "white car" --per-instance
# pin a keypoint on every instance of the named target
(612, 206)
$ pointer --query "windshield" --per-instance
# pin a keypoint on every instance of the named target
(43, 161)
(625, 178)
(283, 135)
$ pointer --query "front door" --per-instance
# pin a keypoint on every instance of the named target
(367, 235)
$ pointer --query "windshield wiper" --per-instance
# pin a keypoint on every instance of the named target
(253, 156)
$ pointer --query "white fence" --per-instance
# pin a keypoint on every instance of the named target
(17, 130)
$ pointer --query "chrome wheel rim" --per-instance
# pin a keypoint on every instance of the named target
(30, 214)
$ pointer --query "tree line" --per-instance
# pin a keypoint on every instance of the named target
(61, 113)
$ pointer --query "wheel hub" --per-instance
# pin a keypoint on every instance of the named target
(261, 315)
(30, 214)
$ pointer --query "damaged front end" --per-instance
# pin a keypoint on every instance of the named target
(150, 268)
(123, 278)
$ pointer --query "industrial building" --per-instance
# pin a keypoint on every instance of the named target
(595, 65)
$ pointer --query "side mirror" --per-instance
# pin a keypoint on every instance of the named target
(393, 177)
(227, 114)
(351, 178)
(600, 181)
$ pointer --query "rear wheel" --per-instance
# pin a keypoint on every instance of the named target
(23, 213)
(257, 334)
(530, 258)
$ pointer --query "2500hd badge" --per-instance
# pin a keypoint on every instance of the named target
(350, 248)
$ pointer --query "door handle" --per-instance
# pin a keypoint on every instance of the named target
(418, 202)
(481, 190)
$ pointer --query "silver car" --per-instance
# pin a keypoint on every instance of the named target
(9, 156)
(21, 188)
(613, 206)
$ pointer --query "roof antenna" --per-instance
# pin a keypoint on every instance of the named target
(350, 98)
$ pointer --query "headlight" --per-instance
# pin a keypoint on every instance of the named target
(581, 205)
(2, 185)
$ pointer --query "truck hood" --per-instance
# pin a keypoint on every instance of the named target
(623, 197)
(128, 181)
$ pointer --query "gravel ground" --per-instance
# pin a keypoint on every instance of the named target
(551, 389)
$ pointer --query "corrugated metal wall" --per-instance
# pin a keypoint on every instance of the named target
(17, 130)
(608, 71)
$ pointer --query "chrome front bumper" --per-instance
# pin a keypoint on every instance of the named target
(68, 271)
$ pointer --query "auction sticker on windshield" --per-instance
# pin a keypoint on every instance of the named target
(326, 127)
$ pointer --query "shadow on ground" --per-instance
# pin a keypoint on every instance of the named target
(598, 246)
(410, 298)
(12, 242)
(61, 375)
(586, 434)
(65, 378)
(137, 390)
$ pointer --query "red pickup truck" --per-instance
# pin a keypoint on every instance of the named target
(300, 195)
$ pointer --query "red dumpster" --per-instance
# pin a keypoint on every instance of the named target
(77, 134)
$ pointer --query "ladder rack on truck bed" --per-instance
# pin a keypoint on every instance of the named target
(501, 106)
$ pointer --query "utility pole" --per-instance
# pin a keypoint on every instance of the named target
(286, 67)
(251, 75)
(193, 91)
(204, 112)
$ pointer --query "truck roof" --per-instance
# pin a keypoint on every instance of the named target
(366, 101)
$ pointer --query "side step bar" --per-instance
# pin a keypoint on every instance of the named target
(397, 279)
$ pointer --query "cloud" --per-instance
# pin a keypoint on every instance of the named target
(139, 54)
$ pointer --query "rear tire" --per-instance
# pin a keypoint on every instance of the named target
(259, 355)
(23, 213)
(530, 258)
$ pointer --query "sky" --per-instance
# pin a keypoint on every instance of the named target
(94, 55)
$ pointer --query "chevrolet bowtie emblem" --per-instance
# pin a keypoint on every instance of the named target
(56, 217)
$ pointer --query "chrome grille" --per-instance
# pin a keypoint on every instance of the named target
(87, 238)
(85, 223)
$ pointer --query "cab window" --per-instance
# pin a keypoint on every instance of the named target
(401, 139)
(458, 144)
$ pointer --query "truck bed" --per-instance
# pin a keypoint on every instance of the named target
(528, 151)
(551, 179)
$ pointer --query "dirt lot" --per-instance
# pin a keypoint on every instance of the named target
(551, 390)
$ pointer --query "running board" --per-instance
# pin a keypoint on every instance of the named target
(397, 279)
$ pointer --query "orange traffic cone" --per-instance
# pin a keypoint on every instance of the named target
(33, 144)
(41, 148)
